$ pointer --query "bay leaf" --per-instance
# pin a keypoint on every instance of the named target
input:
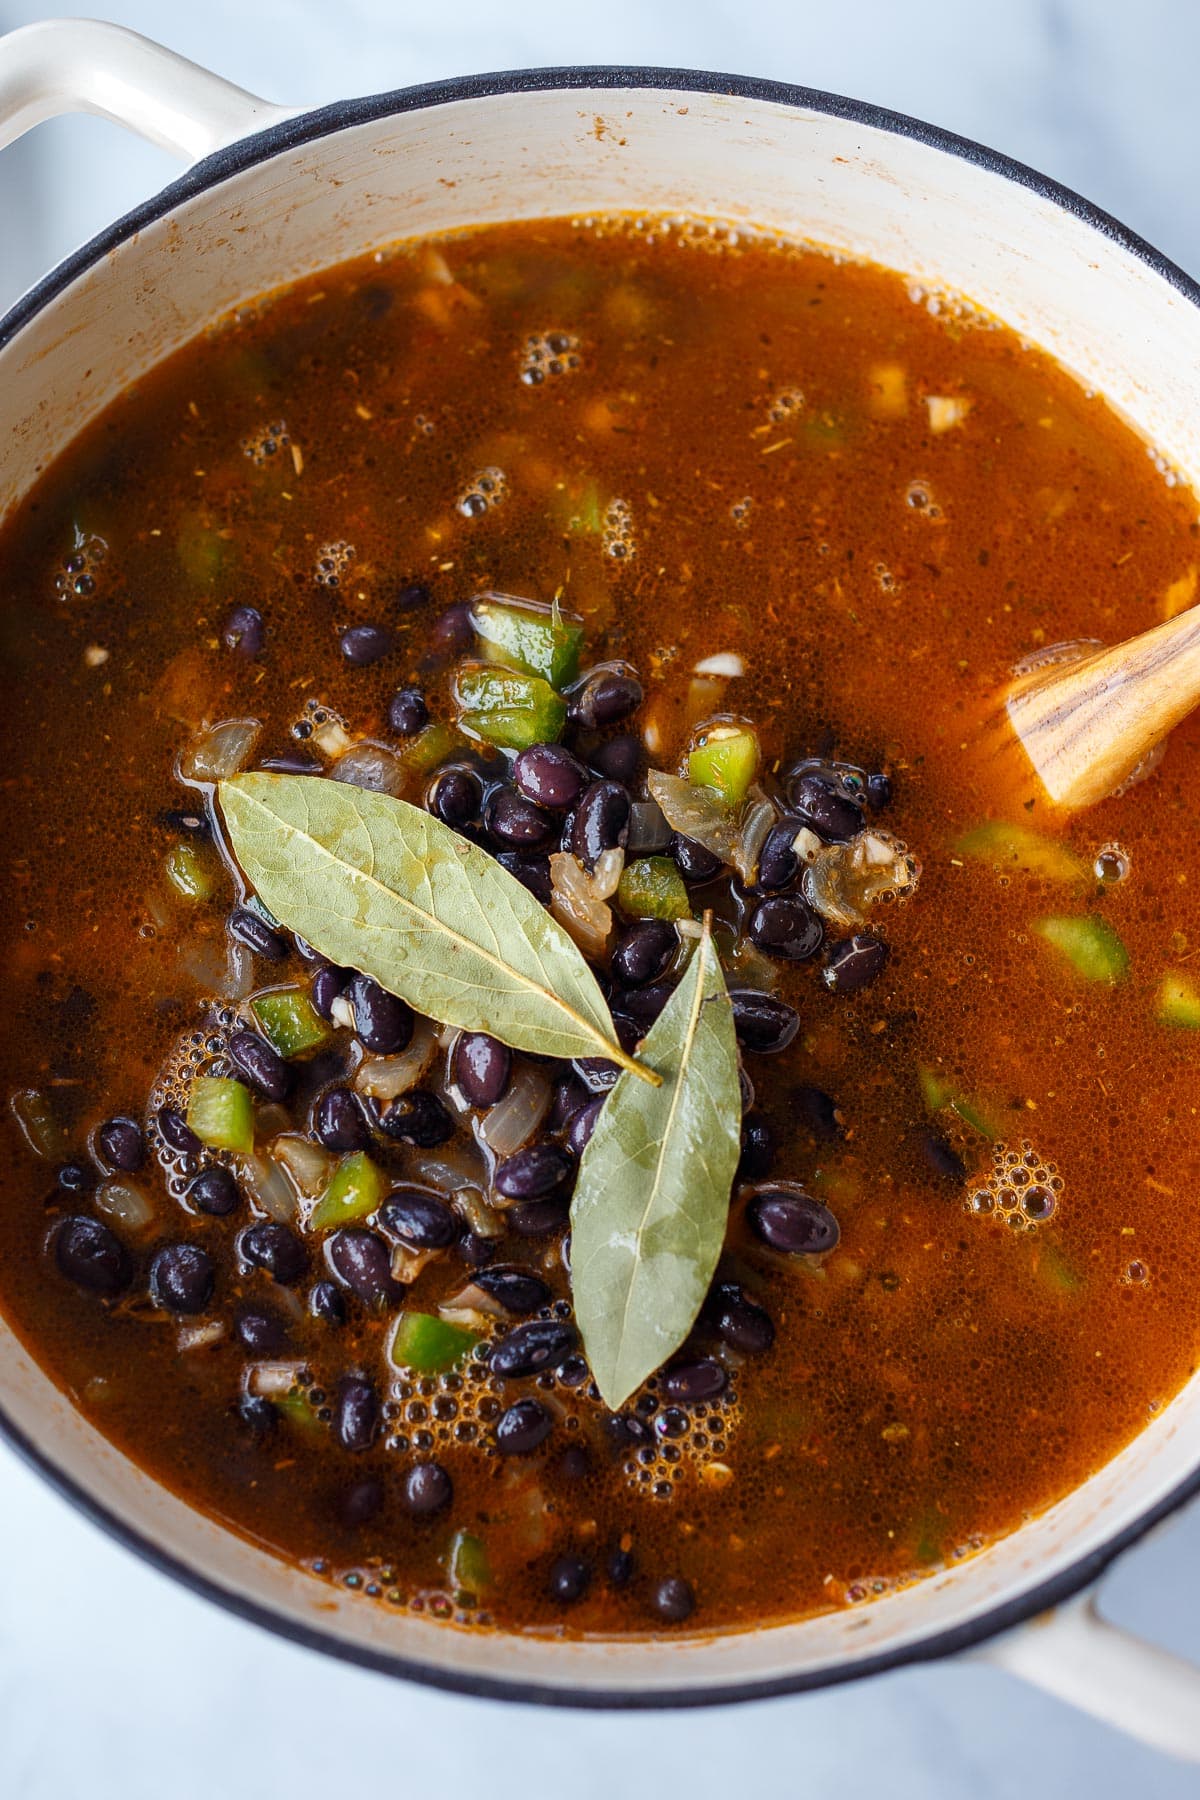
(652, 1196)
(378, 885)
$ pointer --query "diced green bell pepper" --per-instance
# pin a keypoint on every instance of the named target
(538, 640)
(221, 1113)
(289, 1021)
(510, 711)
(1053, 1270)
(468, 1571)
(296, 1407)
(725, 758)
(429, 1345)
(423, 753)
(653, 888)
(190, 873)
(1089, 944)
(1018, 846)
(1179, 1003)
(354, 1192)
(41, 1129)
(941, 1095)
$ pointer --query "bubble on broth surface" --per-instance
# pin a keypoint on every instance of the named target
(332, 562)
(617, 536)
(739, 512)
(919, 496)
(265, 442)
(1023, 1189)
(484, 490)
(75, 578)
(1111, 864)
(548, 353)
(786, 404)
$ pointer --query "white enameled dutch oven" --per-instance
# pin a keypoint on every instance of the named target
(272, 195)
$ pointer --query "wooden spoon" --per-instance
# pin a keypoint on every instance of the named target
(1083, 727)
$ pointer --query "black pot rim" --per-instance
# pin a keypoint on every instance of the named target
(306, 128)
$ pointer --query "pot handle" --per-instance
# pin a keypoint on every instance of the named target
(83, 65)
(1078, 1656)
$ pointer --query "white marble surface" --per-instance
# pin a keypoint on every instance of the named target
(115, 1682)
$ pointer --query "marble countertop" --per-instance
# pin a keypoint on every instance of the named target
(115, 1682)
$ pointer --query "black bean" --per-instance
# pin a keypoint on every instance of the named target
(259, 1333)
(339, 1123)
(618, 1567)
(818, 803)
(89, 1254)
(516, 1290)
(276, 1249)
(176, 1133)
(482, 1066)
(121, 1145)
(738, 1321)
(642, 1005)
(257, 1414)
(779, 861)
(786, 926)
(568, 1579)
(574, 1372)
(533, 872)
(854, 963)
(549, 775)
(606, 696)
(522, 1427)
(244, 631)
(182, 1278)
(417, 1117)
(793, 1222)
(694, 862)
(531, 1348)
(262, 1066)
(419, 1219)
(703, 1379)
(427, 1489)
(355, 1413)
(382, 1022)
(673, 1600)
(363, 1261)
(879, 791)
(455, 797)
(942, 1158)
(325, 1303)
(534, 1172)
(249, 928)
(601, 821)
(362, 645)
(515, 822)
(758, 1148)
(451, 632)
(537, 1218)
(619, 759)
(583, 1124)
(407, 712)
(292, 762)
(818, 1111)
(328, 985)
(644, 952)
(569, 1096)
(413, 594)
(213, 1191)
(476, 1251)
(76, 1178)
(763, 1023)
(361, 1502)
(596, 1072)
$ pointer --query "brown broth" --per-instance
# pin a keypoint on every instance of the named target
(941, 1377)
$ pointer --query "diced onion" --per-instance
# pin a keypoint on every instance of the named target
(199, 1337)
(124, 1204)
(648, 829)
(386, 1077)
(705, 696)
(845, 879)
(407, 1264)
(220, 968)
(270, 1379)
(331, 738)
(370, 766)
(219, 751)
(472, 1302)
(735, 834)
(466, 1316)
(483, 1220)
(577, 906)
(606, 876)
(726, 663)
(269, 1187)
(758, 816)
(308, 1164)
(451, 1167)
(517, 1115)
(946, 411)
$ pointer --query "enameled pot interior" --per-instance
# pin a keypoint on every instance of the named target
(316, 191)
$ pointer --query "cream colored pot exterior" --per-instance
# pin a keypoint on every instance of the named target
(323, 187)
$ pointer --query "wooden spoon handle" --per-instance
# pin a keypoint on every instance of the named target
(1085, 726)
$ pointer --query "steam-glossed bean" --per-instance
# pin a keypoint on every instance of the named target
(91, 1256)
(482, 1066)
(568, 1579)
(785, 925)
(249, 928)
(259, 1333)
(644, 952)
(779, 861)
(739, 1321)
(601, 821)
(262, 1066)
(418, 1118)
(516, 1290)
(452, 632)
(355, 1413)
(763, 1023)
(793, 1222)
(942, 1158)
(673, 1600)
(695, 863)
(606, 697)
(407, 712)
(276, 1249)
(182, 1278)
(363, 1261)
(533, 872)
(879, 791)
(522, 1428)
(428, 1489)
(582, 1125)
(532, 1173)
(361, 1502)
(817, 803)
(362, 645)
(686, 1382)
(455, 797)
(325, 1302)
(817, 1111)
(549, 775)
(176, 1133)
(758, 1148)
(339, 1123)
(476, 1251)
(641, 1004)
(619, 759)
(292, 762)
(516, 823)
(537, 1218)
(213, 1191)
(532, 1348)
(121, 1144)
(328, 985)
(569, 1095)
(855, 963)
(243, 631)
(419, 1219)
(410, 597)
(383, 1023)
